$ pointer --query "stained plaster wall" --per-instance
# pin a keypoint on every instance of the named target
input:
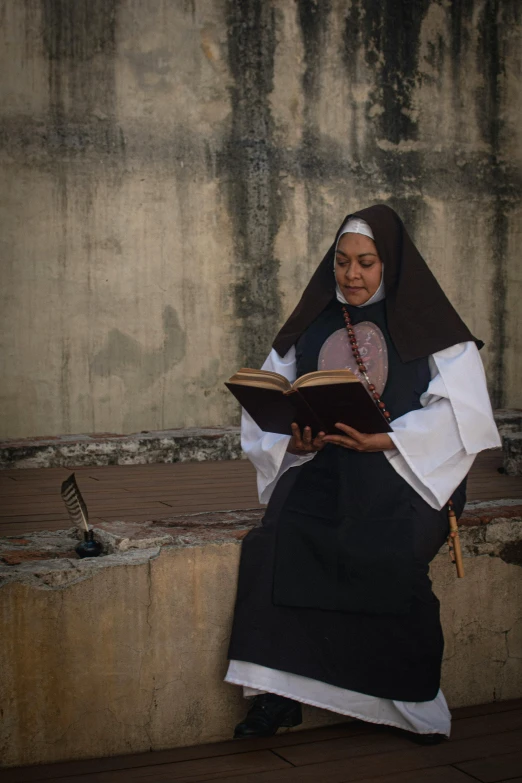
(173, 172)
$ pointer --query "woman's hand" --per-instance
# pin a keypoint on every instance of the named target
(358, 441)
(304, 444)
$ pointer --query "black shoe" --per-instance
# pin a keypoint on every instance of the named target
(267, 714)
(426, 739)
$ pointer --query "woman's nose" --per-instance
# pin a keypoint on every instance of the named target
(353, 273)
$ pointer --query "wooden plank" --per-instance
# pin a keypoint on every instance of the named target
(155, 758)
(433, 775)
(18, 531)
(157, 481)
(196, 501)
(133, 490)
(495, 768)
(36, 474)
(21, 530)
(480, 725)
(89, 490)
(187, 487)
(206, 469)
(188, 497)
(387, 763)
(179, 468)
(34, 517)
(108, 500)
(57, 507)
(155, 507)
(485, 709)
(495, 493)
(109, 473)
(170, 512)
(412, 765)
(379, 741)
(262, 761)
(180, 488)
(141, 514)
(220, 491)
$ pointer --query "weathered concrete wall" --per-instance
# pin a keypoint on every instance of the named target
(172, 172)
(127, 652)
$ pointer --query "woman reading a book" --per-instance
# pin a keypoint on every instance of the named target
(334, 604)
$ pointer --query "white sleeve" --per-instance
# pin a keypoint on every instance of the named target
(267, 450)
(437, 444)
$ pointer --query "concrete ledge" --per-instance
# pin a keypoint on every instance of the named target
(144, 448)
(127, 652)
(508, 420)
(512, 448)
(141, 448)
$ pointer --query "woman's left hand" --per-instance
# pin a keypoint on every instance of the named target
(359, 441)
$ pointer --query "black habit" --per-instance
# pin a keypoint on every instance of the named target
(334, 585)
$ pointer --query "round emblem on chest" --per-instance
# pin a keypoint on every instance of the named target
(336, 353)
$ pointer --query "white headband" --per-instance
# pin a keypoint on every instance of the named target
(357, 226)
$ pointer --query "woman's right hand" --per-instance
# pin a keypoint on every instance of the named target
(301, 444)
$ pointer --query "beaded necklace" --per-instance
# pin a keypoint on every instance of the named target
(360, 364)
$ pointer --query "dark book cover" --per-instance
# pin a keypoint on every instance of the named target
(348, 403)
(318, 407)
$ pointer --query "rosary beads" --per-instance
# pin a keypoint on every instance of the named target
(360, 364)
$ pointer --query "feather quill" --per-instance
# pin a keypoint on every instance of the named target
(75, 504)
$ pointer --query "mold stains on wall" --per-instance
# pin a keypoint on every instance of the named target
(79, 40)
(313, 20)
(460, 12)
(80, 44)
(390, 31)
(250, 169)
(315, 157)
(490, 66)
(389, 35)
(498, 314)
(494, 19)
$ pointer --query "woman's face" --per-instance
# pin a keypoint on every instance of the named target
(358, 268)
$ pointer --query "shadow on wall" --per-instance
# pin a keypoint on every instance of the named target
(137, 366)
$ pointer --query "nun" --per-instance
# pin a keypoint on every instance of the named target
(334, 603)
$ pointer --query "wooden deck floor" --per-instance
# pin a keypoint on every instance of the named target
(30, 499)
(485, 746)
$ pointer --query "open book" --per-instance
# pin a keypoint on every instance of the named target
(317, 400)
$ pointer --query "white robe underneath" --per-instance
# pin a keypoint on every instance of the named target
(435, 449)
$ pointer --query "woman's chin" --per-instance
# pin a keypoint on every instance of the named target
(356, 298)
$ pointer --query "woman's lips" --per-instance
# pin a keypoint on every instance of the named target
(352, 289)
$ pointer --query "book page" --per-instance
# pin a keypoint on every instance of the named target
(325, 377)
(262, 379)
